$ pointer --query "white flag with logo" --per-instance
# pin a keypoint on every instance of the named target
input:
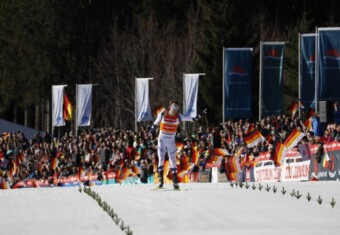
(305, 151)
(190, 89)
(84, 105)
(142, 100)
(57, 105)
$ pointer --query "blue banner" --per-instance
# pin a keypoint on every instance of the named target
(307, 69)
(237, 82)
(329, 63)
(272, 78)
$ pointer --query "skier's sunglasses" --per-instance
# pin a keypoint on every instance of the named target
(175, 107)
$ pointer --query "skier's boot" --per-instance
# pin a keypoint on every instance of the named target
(160, 176)
(175, 179)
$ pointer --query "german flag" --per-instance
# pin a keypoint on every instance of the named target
(280, 153)
(251, 128)
(138, 155)
(232, 168)
(194, 154)
(310, 113)
(19, 158)
(293, 139)
(124, 173)
(233, 165)
(35, 183)
(135, 170)
(80, 173)
(89, 173)
(253, 138)
(11, 173)
(167, 174)
(211, 157)
(269, 138)
(67, 109)
(55, 161)
(308, 124)
(221, 152)
(293, 107)
(325, 161)
(117, 176)
(144, 152)
(250, 161)
(179, 146)
(4, 185)
(332, 165)
(157, 110)
(232, 176)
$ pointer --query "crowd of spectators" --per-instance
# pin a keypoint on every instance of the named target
(112, 149)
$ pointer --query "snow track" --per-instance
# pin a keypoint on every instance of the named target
(200, 208)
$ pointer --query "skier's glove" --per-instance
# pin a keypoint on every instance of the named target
(152, 129)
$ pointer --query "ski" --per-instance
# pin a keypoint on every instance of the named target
(157, 188)
(167, 189)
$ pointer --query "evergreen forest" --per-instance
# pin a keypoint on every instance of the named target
(112, 42)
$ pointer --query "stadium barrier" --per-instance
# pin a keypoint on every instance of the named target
(293, 167)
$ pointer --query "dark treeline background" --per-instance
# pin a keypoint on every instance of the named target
(110, 43)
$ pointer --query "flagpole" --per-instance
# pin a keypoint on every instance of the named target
(223, 102)
(52, 127)
(136, 104)
(299, 76)
(184, 106)
(76, 113)
(316, 97)
(260, 83)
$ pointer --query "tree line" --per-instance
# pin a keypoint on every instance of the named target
(110, 43)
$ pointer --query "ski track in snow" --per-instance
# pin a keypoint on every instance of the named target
(199, 208)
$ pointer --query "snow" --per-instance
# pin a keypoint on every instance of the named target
(199, 208)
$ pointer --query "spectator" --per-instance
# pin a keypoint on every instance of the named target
(22, 159)
(316, 125)
(335, 132)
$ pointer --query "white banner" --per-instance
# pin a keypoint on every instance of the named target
(84, 105)
(305, 152)
(143, 110)
(190, 89)
(57, 105)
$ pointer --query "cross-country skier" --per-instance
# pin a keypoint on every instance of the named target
(169, 121)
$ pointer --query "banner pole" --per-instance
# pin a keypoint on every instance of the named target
(299, 75)
(135, 104)
(76, 113)
(316, 95)
(184, 106)
(223, 87)
(260, 83)
(52, 131)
